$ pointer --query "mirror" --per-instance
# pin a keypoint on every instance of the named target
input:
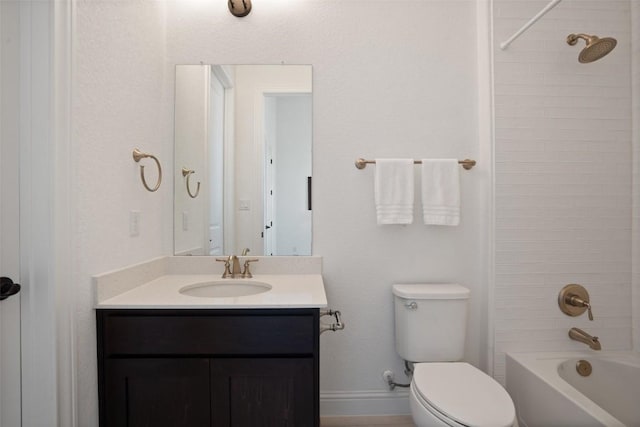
(243, 156)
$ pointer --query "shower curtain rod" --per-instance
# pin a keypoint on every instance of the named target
(526, 26)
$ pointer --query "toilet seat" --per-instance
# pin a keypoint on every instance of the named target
(461, 395)
(425, 408)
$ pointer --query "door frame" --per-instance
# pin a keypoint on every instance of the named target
(46, 217)
(10, 380)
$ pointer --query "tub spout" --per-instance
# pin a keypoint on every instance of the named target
(580, 335)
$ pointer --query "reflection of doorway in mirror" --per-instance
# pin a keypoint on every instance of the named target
(288, 137)
(215, 155)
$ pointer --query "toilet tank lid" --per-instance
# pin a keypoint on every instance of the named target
(430, 291)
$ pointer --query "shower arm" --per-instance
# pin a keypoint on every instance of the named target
(572, 39)
(532, 21)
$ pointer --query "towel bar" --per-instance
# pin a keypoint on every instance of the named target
(466, 163)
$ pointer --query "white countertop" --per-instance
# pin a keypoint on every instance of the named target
(157, 284)
(288, 291)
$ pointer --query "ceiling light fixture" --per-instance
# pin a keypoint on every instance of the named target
(239, 8)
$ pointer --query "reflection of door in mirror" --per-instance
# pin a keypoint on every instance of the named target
(216, 168)
(225, 116)
(288, 137)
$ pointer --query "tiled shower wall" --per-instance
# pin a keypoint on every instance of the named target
(563, 176)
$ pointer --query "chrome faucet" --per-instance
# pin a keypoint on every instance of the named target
(580, 335)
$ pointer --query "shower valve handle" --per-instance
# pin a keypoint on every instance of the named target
(573, 300)
(579, 302)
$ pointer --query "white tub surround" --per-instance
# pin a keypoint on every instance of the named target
(296, 282)
(547, 390)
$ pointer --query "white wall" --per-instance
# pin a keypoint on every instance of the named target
(563, 176)
(635, 73)
(391, 79)
(121, 100)
(404, 84)
(192, 111)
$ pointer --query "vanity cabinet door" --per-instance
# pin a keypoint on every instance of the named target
(263, 392)
(156, 393)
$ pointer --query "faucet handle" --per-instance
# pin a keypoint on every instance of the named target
(246, 273)
(227, 266)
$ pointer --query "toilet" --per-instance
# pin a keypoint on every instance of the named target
(431, 323)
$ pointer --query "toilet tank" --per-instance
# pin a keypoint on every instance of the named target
(431, 321)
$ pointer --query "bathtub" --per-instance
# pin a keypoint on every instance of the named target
(548, 391)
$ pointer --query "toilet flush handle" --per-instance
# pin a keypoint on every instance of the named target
(412, 305)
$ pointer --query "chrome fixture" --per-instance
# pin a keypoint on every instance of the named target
(338, 326)
(139, 155)
(596, 47)
(573, 300)
(245, 251)
(232, 267)
(578, 334)
(239, 8)
(389, 376)
(584, 368)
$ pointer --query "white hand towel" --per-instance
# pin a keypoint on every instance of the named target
(441, 191)
(394, 191)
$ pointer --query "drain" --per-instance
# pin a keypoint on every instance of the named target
(584, 368)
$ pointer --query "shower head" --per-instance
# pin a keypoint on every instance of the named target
(596, 47)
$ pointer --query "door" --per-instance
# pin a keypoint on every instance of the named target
(270, 135)
(10, 382)
(216, 167)
(287, 173)
(156, 393)
(263, 392)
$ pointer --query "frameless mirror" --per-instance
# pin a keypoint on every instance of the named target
(243, 146)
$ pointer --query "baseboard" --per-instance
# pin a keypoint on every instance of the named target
(353, 403)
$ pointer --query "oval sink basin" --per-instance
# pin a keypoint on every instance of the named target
(225, 288)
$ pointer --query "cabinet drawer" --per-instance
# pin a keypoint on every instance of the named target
(148, 332)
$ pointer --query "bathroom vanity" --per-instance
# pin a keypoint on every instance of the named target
(166, 358)
(245, 367)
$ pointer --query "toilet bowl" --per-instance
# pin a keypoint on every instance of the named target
(457, 394)
(430, 326)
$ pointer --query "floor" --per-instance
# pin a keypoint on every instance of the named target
(384, 421)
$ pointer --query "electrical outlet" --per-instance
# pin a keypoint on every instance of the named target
(134, 223)
(185, 221)
(244, 205)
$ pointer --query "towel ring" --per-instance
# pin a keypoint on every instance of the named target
(137, 156)
(187, 173)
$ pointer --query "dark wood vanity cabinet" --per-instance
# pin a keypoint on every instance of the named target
(236, 368)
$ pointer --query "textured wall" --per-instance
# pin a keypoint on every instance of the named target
(119, 103)
(563, 177)
(192, 112)
(391, 79)
(635, 69)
